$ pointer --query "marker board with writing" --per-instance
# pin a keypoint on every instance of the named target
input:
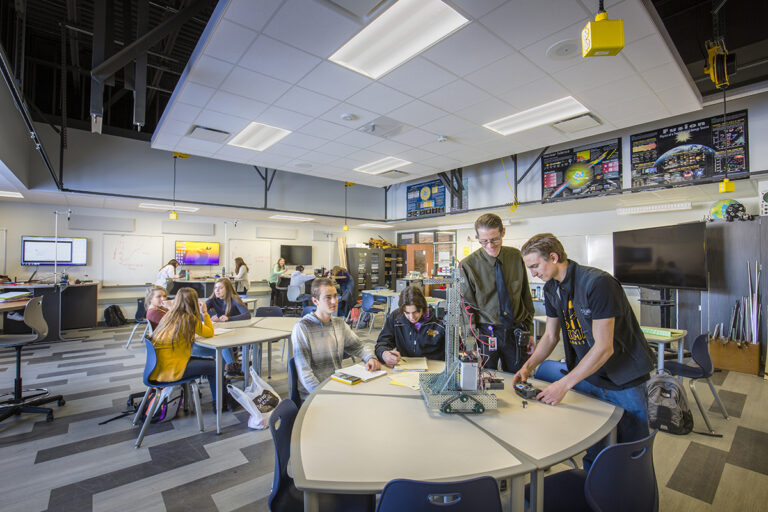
(257, 254)
(131, 259)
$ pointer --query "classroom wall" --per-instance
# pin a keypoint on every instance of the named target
(488, 184)
(116, 165)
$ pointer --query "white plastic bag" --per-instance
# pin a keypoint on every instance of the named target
(259, 399)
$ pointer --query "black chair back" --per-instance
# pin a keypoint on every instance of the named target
(281, 425)
(621, 471)
(466, 496)
(268, 311)
(700, 354)
(293, 376)
(141, 311)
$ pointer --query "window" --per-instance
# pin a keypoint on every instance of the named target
(444, 243)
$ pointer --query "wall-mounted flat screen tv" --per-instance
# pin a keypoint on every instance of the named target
(43, 250)
(296, 254)
(197, 253)
(662, 257)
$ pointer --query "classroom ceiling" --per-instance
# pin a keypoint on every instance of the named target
(267, 61)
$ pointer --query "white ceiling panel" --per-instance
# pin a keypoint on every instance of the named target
(417, 113)
(324, 129)
(379, 98)
(209, 71)
(228, 103)
(282, 118)
(456, 95)
(311, 26)
(505, 74)
(229, 41)
(468, 50)
(524, 22)
(418, 77)
(195, 94)
(278, 60)
(306, 102)
(254, 85)
(334, 81)
(266, 61)
(253, 15)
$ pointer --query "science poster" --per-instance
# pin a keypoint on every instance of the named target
(692, 151)
(426, 200)
(583, 171)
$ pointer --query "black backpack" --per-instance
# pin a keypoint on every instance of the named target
(113, 316)
(668, 405)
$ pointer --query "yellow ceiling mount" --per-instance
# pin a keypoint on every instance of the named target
(176, 154)
(602, 37)
(726, 186)
(719, 63)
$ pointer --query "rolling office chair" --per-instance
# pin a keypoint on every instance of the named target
(621, 478)
(295, 299)
(17, 404)
(466, 496)
(163, 390)
(141, 319)
(703, 370)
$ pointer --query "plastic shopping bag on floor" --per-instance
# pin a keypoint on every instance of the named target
(258, 399)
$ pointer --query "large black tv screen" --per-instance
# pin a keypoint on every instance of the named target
(663, 257)
(296, 254)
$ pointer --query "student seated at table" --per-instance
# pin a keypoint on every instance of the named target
(157, 309)
(156, 304)
(413, 330)
(224, 305)
(320, 340)
(174, 338)
(298, 278)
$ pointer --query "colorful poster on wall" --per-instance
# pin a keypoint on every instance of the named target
(426, 200)
(694, 151)
(583, 171)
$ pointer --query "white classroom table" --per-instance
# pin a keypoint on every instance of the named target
(337, 421)
(678, 337)
(240, 335)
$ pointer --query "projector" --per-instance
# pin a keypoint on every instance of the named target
(602, 37)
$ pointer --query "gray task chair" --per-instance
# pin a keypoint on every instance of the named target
(17, 404)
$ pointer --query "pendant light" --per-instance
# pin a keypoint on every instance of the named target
(173, 215)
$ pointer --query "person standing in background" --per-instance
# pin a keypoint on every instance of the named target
(166, 273)
(277, 270)
(241, 276)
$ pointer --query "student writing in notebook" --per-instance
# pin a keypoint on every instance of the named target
(413, 330)
(320, 340)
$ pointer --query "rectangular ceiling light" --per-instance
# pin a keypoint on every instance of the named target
(654, 208)
(375, 225)
(258, 136)
(551, 112)
(295, 218)
(379, 166)
(8, 193)
(166, 207)
(403, 31)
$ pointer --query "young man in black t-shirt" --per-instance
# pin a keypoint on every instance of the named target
(605, 350)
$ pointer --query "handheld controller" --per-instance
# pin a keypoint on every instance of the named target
(525, 390)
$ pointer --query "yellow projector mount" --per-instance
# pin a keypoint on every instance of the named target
(602, 37)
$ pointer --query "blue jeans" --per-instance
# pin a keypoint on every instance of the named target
(633, 425)
(226, 353)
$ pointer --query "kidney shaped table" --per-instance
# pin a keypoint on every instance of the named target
(354, 439)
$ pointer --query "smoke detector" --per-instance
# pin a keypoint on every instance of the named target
(564, 50)
(348, 116)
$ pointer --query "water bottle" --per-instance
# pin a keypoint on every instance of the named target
(223, 272)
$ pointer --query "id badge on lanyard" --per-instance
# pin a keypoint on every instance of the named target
(492, 341)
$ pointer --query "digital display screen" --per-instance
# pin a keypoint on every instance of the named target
(583, 171)
(44, 250)
(691, 151)
(296, 254)
(197, 253)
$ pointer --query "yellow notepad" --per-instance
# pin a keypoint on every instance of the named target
(411, 364)
(406, 379)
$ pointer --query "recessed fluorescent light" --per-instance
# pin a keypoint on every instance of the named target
(291, 217)
(653, 208)
(375, 225)
(165, 207)
(258, 136)
(401, 32)
(557, 110)
(8, 193)
(379, 166)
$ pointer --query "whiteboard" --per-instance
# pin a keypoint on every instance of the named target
(256, 254)
(3, 235)
(131, 259)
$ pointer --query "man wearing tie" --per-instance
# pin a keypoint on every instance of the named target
(496, 289)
